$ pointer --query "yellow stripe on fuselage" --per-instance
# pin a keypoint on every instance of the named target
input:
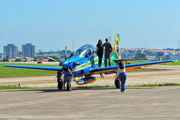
(78, 68)
(84, 67)
(85, 63)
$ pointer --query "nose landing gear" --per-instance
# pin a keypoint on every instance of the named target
(59, 80)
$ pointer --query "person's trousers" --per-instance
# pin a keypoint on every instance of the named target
(100, 55)
(123, 77)
(65, 78)
(109, 58)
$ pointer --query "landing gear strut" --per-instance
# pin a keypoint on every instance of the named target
(69, 83)
(59, 80)
(68, 86)
(117, 83)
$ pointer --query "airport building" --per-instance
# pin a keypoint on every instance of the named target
(11, 51)
(29, 50)
(1, 55)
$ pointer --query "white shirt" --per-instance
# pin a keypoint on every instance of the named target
(120, 70)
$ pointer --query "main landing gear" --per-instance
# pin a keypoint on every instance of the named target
(117, 83)
(69, 86)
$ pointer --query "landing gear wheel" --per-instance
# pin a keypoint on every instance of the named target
(68, 86)
(59, 80)
(117, 83)
(60, 85)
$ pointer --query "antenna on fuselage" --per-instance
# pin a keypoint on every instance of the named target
(66, 51)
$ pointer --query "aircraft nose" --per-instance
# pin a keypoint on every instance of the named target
(65, 64)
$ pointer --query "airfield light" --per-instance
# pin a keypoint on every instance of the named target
(66, 51)
(178, 50)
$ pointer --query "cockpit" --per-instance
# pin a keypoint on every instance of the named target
(86, 50)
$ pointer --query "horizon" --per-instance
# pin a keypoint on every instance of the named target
(75, 50)
(49, 25)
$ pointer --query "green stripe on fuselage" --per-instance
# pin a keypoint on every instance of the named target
(95, 61)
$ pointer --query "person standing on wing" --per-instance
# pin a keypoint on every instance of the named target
(121, 74)
(99, 51)
(108, 51)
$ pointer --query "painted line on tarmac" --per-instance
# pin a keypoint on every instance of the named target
(53, 99)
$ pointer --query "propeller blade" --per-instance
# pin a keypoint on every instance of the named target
(71, 73)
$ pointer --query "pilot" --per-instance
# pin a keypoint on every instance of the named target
(108, 51)
(99, 51)
(79, 52)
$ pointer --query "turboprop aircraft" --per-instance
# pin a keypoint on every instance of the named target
(84, 65)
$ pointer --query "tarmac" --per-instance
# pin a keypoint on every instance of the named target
(158, 103)
(150, 103)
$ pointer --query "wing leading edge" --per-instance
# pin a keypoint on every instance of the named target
(113, 68)
(35, 67)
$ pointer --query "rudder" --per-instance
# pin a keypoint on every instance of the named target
(117, 52)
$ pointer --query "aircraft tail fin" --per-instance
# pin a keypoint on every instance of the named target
(117, 52)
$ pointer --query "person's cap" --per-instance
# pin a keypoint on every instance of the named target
(106, 39)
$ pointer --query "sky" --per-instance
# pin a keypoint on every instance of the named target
(50, 24)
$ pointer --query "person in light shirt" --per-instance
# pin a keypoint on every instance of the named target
(121, 74)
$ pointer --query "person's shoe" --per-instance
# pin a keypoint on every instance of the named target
(122, 91)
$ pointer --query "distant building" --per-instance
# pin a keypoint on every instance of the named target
(54, 54)
(11, 51)
(151, 57)
(28, 50)
(1, 55)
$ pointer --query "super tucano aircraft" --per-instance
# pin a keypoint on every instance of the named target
(84, 65)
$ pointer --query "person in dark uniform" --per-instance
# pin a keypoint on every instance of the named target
(72, 55)
(100, 51)
(108, 51)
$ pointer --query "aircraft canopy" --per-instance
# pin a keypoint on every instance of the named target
(82, 50)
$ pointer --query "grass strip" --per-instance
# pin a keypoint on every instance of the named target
(92, 86)
(19, 87)
(6, 72)
(149, 85)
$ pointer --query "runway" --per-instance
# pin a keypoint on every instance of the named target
(148, 103)
(91, 103)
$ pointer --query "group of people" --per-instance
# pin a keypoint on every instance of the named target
(121, 73)
(108, 50)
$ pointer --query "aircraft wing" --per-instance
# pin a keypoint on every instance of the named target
(35, 67)
(128, 67)
(130, 60)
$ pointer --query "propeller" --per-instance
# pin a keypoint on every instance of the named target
(71, 73)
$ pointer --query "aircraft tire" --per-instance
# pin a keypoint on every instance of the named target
(117, 84)
(60, 84)
(68, 86)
